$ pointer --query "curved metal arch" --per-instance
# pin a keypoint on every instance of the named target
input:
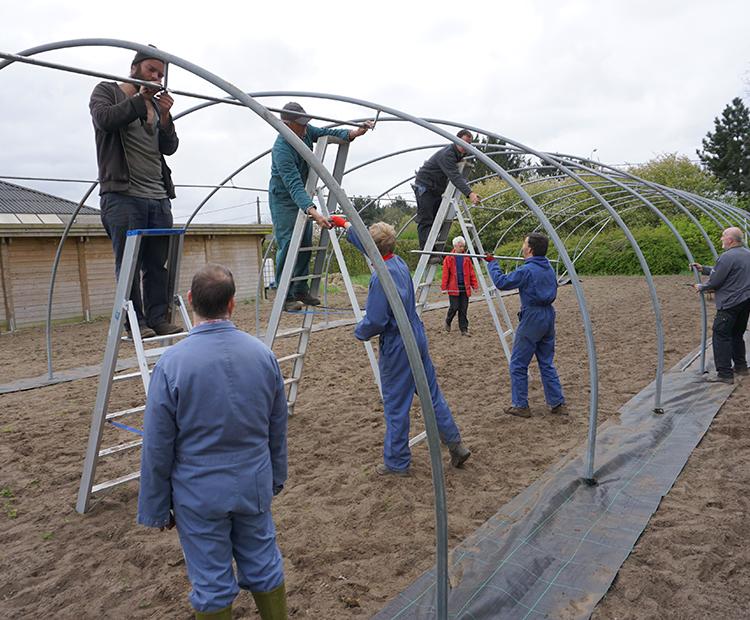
(389, 287)
(680, 240)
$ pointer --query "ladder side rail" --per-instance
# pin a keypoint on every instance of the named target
(501, 331)
(122, 293)
(140, 351)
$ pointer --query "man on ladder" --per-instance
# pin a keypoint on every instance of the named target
(133, 130)
(431, 181)
(287, 195)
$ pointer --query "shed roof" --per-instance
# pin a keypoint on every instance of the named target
(24, 201)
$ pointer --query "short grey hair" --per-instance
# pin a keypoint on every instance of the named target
(457, 240)
(734, 233)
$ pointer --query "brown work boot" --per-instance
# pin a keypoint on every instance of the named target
(307, 299)
(384, 470)
(448, 327)
(520, 412)
(560, 409)
(145, 330)
(166, 329)
(459, 454)
(292, 305)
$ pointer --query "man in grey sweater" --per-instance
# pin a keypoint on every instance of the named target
(730, 280)
(133, 130)
(432, 179)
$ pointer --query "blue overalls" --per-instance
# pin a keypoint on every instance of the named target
(214, 450)
(396, 376)
(287, 196)
(535, 335)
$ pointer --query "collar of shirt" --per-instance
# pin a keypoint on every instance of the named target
(389, 256)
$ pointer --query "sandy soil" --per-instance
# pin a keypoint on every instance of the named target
(350, 539)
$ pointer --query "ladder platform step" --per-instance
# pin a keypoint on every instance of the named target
(289, 358)
(295, 331)
(124, 412)
(108, 484)
(120, 447)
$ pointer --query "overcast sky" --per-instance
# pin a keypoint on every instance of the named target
(624, 80)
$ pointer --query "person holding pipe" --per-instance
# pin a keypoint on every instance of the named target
(459, 279)
(535, 335)
(395, 372)
(133, 130)
(287, 197)
(730, 280)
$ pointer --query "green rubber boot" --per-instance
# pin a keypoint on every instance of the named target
(272, 605)
(222, 614)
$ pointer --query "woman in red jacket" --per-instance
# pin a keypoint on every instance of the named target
(459, 279)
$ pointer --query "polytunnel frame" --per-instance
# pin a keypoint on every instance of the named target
(389, 287)
(430, 124)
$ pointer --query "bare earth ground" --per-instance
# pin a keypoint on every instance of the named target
(351, 540)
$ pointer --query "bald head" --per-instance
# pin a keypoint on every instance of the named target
(212, 292)
(731, 237)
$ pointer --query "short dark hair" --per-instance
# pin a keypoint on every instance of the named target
(212, 289)
(538, 243)
(465, 133)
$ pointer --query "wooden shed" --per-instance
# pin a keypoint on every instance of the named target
(31, 224)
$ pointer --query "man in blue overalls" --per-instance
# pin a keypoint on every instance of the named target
(395, 372)
(537, 286)
(287, 197)
(214, 453)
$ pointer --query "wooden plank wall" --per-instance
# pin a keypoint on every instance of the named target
(30, 262)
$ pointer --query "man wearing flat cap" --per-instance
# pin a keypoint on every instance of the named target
(133, 130)
(287, 196)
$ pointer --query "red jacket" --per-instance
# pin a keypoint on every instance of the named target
(450, 279)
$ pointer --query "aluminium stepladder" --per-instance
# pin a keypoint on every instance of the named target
(122, 307)
(328, 239)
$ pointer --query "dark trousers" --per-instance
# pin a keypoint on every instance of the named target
(121, 213)
(458, 303)
(729, 338)
(428, 203)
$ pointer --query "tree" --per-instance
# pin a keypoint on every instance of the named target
(726, 150)
(679, 172)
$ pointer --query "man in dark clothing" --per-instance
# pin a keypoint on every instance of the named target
(432, 179)
(134, 130)
(537, 287)
(730, 280)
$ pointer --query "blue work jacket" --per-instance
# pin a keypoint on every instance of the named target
(535, 280)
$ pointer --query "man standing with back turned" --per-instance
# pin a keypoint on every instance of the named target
(730, 279)
(537, 287)
(214, 452)
(134, 131)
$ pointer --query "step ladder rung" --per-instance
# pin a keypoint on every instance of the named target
(288, 333)
(155, 352)
(124, 412)
(417, 438)
(181, 334)
(289, 358)
(291, 380)
(314, 248)
(108, 484)
(120, 447)
(130, 375)
(314, 276)
(507, 332)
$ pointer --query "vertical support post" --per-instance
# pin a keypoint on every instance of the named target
(257, 207)
(83, 279)
(5, 274)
